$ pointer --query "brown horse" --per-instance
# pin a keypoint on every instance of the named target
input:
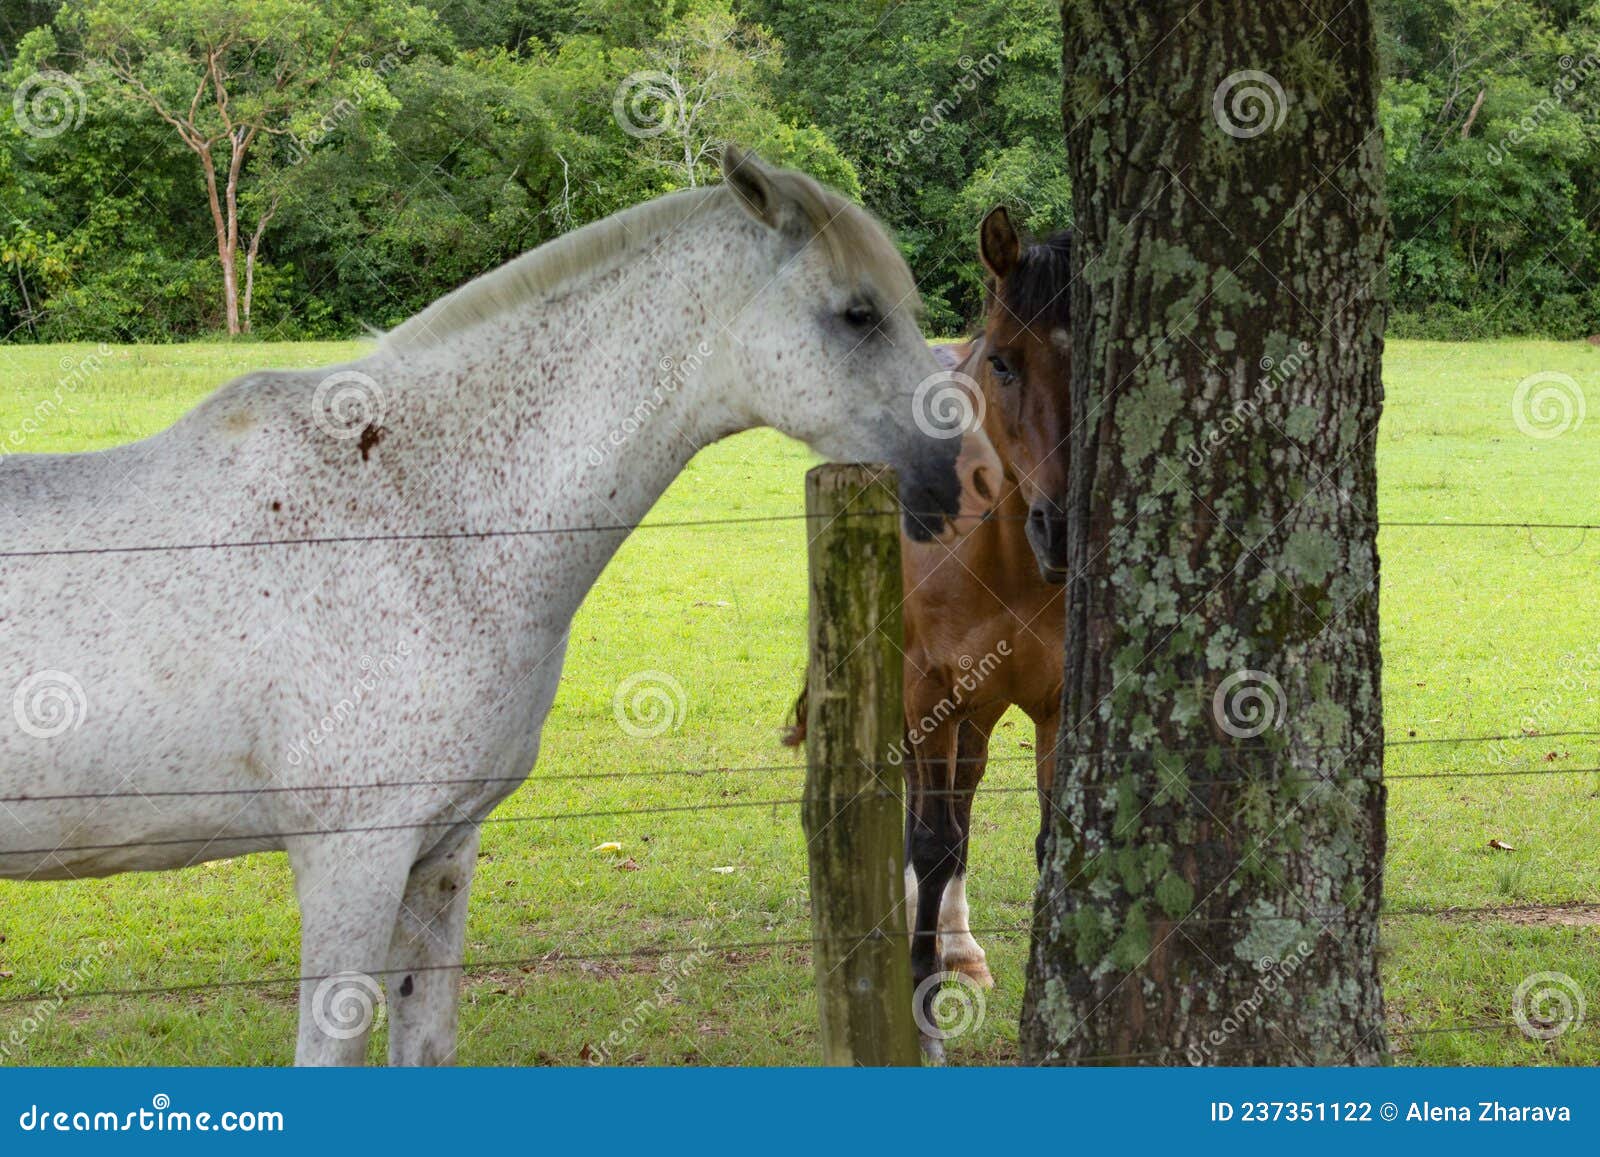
(984, 619)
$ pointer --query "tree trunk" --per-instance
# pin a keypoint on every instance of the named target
(1211, 885)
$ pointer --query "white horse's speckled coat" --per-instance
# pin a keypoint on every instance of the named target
(271, 675)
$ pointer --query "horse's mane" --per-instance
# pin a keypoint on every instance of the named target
(1038, 290)
(856, 244)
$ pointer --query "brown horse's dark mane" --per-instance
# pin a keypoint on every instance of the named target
(1038, 290)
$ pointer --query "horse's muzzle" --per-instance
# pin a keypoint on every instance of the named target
(1047, 534)
(930, 498)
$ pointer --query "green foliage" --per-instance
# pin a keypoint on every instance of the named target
(1490, 122)
(410, 146)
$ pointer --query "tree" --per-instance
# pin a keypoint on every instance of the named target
(226, 77)
(1212, 878)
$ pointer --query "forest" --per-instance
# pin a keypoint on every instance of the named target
(288, 169)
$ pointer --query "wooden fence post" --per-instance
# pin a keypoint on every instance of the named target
(854, 814)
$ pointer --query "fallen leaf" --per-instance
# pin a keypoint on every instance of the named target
(1501, 846)
(1025, 745)
(628, 865)
(725, 871)
(610, 847)
(6, 975)
(716, 603)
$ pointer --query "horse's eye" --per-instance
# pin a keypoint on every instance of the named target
(861, 316)
(1001, 368)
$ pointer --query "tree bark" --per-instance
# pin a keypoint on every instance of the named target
(1212, 881)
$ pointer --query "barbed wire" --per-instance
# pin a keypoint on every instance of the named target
(558, 955)
(705, 771)
(1241, 524)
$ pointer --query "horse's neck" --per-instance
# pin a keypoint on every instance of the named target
(615, 390)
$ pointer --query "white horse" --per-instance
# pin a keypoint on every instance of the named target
(336, 663)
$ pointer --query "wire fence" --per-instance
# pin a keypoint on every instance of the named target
(624, 528)
(1277, 757)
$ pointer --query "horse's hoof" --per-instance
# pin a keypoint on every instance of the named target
(975, 970)
(932, 1049)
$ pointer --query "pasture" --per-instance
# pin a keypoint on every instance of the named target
(1485, 632)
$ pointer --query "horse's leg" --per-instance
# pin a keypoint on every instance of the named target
(935, 841)
(349, 887)
(1046, 740)
(913, 787)
(424, 980)
(958, 950)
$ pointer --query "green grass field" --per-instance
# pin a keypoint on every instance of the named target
(1485, 632)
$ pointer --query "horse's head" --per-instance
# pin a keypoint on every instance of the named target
(1025, 376)
(828, 346)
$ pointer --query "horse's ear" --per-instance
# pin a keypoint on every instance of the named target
(998, 243)
(747, 176)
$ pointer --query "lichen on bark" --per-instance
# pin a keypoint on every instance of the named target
(1212, 880)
